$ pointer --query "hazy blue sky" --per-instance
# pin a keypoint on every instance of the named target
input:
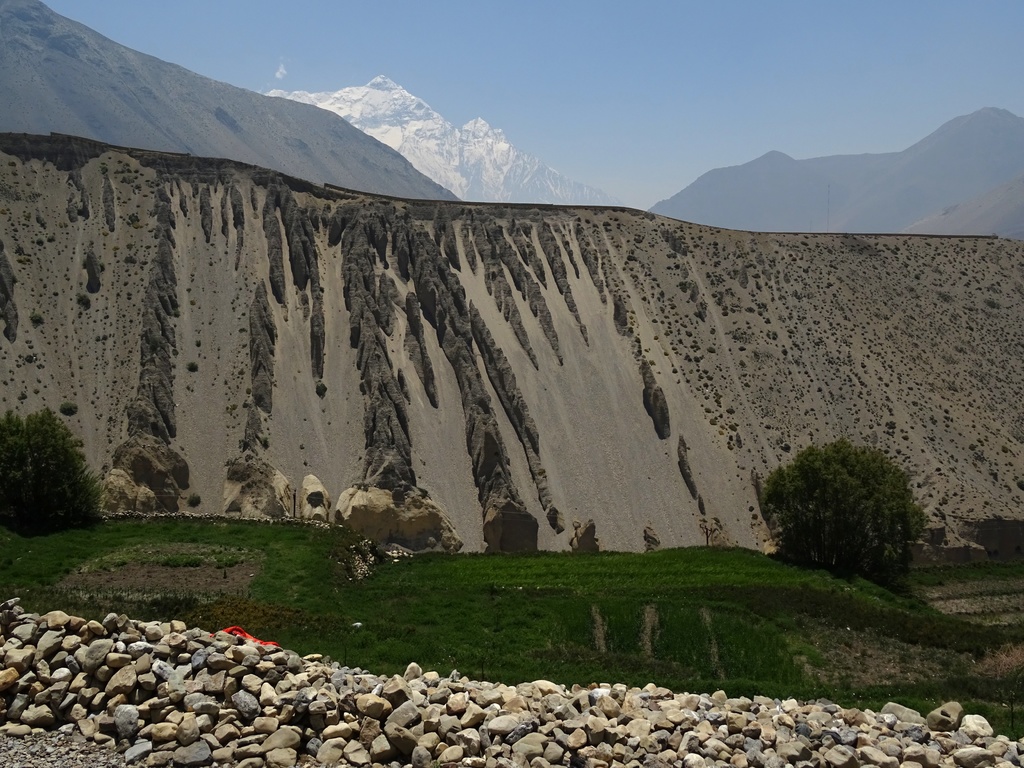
(635, 98)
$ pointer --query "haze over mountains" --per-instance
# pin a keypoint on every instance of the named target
(966, 159)
(476, 161)
(58, 75)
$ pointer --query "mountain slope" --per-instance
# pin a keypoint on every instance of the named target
(57, 75)
(888, 192)
(225, 331)
(999, 211)
(477, 161)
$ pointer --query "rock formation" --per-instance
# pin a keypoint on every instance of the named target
(227, 331)
(584, 537)
(253, 488)
(316, 502)
(408, 519)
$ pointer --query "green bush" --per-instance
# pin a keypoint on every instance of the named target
(194, 500)
(844, 508)
(45, 484)
(68, 408)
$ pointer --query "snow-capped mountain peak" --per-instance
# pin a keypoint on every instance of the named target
(476, 162)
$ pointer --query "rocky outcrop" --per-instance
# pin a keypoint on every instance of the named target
(388, 449)
(93, 268)
(206, 212)
(122, 494)
(121, 685)
(148, 463)
(8, 309)
(316, 501)
(551, 250)
(254, 488)
(590, 258)
(490, 246)
(506, 523)
(262, 342)
(584, 537)
(152, 411)
(651, 539)
(503, 381)
(78, 197)
(109, 212)
(416, 347)
(654, 401)
(409, 519)
(683, 460)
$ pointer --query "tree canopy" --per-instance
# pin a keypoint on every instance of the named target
(45, 483)
(844, 508)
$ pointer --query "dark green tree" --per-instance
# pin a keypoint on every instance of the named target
(844, 508)
(45, 483)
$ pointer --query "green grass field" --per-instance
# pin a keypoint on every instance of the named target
(688, 619)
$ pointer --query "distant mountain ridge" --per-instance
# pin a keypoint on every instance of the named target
(964, 159)
(476, 161)
(57, 75)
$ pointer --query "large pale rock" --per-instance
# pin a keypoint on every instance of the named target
(903, 714)
(8, 677)
(20, 659)
(316, 501)
(126, 720)
(285, 738)
(152, 464)
(280, 758)
(975, 727)
(973, 757)
(331, 751)
(947, 717)
(120, 493)
(195, 754)
(408, 519)
(254, 488)
(40, 716)
(123, 681)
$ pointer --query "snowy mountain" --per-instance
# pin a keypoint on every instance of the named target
(476, 161)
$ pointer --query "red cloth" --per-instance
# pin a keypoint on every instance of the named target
(239, 632)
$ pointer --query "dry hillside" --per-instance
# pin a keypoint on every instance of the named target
(225, 331)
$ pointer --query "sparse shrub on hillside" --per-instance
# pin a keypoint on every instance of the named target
(45, 484)
(844, 508)
(194, 500)
(68, 408)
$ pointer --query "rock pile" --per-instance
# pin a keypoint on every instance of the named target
(165, 695)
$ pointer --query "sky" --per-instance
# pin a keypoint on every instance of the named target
(637, 99)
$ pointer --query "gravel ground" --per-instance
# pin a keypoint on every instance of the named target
(55, 749)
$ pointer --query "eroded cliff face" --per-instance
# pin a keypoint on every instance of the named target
(490, 377)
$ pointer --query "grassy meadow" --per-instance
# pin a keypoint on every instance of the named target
(694, 619)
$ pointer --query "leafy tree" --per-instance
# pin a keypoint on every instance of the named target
(45, 484)
(844, 508)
